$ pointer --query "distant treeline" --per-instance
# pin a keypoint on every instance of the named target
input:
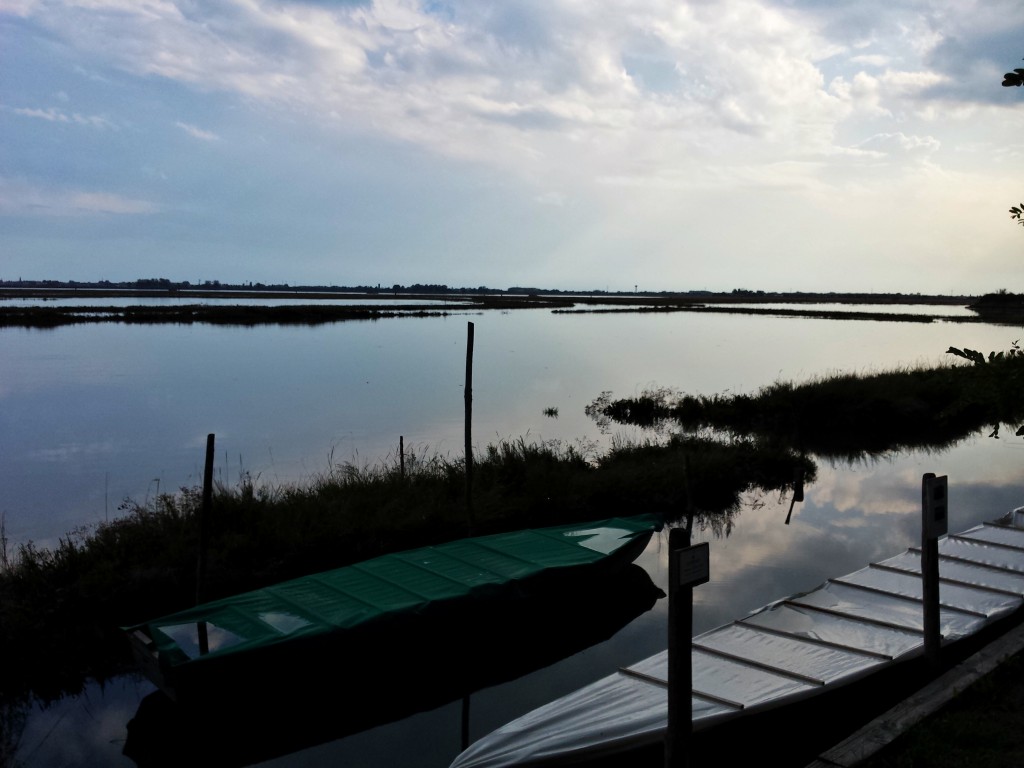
(164, 284)
(1001, 305)
(737, 295)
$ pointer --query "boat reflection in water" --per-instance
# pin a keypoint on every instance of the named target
(416, 668)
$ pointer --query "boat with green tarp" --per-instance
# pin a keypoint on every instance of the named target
(320, 625)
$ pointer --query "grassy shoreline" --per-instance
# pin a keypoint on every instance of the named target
(847, 416)
(60, 608)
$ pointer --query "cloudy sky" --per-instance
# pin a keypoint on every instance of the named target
(579, 144)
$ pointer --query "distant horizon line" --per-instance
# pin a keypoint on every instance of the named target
(165, 284)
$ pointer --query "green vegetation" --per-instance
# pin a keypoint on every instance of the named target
(819, 314)
(1001, 307)
(848, 415)
(52, 317)
(60, 609)
(318, 314)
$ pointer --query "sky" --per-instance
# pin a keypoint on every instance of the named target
(653, 145)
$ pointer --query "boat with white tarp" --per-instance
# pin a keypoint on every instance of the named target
(790, 651)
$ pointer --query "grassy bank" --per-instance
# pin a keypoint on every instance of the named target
(238, 315)
(849, 415)
(60, 608)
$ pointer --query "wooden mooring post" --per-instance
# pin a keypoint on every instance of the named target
(469, 426)
(468, 393)
(688, 567)
(934, 523)
(204, 538)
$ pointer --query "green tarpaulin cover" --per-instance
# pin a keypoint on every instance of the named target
(392, 585)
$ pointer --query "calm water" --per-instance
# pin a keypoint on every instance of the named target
(91, 414)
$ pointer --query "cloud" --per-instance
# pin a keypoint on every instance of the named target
(899, 144)
(534, 89)
(54, 115)
(552, 198)
(18, 7)
(197, 133)
(106, 202)
(25, 198)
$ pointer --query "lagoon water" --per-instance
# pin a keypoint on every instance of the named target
(92, 414)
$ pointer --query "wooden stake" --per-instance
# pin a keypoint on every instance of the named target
(934, 522)
(204, 537)
(679, 732)
(469, 426)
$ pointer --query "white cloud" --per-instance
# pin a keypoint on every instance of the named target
(537, 95)
(106, 202)
(901, 144)
(552, 198)
(18, 7)
(197, 133)
(54, 115)
(19, 197)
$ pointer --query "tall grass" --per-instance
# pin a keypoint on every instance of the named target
(60, 608)
(847, 415)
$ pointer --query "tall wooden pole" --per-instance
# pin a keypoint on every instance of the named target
(934, 523)
(687, 568)
(204, 537)
(469, 425)
(680, 670)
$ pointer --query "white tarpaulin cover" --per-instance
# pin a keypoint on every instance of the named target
(845, 629)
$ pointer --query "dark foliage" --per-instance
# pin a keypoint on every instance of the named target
(849, 416)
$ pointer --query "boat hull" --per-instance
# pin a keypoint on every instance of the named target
(426, 605)
(799, 651)
(386, 679)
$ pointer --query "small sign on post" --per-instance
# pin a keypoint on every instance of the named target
(693, 565)
(936, 506)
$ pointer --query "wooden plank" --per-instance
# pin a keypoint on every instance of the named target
(881, 731)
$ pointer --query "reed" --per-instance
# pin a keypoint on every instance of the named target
(60, 608)
(846, 415)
